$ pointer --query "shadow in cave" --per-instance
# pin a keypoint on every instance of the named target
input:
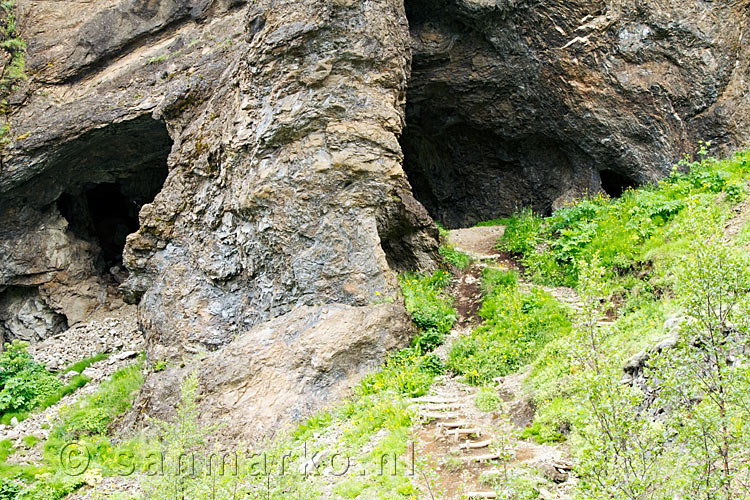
(117, 170)
(485, 133)
(614, 184)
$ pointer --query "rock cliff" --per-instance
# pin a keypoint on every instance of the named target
(233, 167)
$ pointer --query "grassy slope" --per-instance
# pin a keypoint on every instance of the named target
(638, 238)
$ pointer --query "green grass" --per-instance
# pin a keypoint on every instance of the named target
(30, 441)
(85, 422)
(517, 325)
(85, 363)
(487, 399)
(455, 257)
(427, 302)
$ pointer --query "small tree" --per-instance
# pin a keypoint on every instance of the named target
(705, 380)
(624, 453)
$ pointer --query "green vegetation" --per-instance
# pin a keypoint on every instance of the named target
(631, 234)
(27, 386)
(430, 307)
(487, 399)
(13, 44)
(83, 424)
(454, 257)
(15, 70)
(85, 363)
(517, 325)
(493, 222)
(450, 254)
(24, 383)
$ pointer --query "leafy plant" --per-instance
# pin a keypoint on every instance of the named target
(487, 399)
(10, 489)
(455, 257)
(25, 383)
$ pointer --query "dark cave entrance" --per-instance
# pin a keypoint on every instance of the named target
(97, 183)
(107, 213)
(486, 131)
(116, 170)
(614, 183)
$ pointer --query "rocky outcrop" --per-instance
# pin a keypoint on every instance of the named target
(259, 143)
(233, 166)
(283, 370)
(515, 103)
(285, 186)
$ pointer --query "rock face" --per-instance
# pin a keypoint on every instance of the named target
(290, 367)
(234, 167)
(515, 103)
(285, 186)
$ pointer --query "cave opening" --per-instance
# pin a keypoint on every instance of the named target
(485, 132)
(615, 183)
(84, 204)
(107, 213)
(112, 173)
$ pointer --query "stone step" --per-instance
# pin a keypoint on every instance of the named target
(458, 432)
(437, 407)
(481, 494)
(439, 414)
(472, 445)
(433, 399)
(453, 425)
(482, 458)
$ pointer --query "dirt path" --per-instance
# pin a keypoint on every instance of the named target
(479, 242)
(463, 444)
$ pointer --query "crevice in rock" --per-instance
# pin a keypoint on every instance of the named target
(24, 315)
(614, 183)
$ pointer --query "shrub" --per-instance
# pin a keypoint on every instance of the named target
(426, 301)
(428, 340)
(26, 384)
(487, 399)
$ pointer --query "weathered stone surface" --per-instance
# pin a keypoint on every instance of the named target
(25, 316)
(285, 185)
(514, 103)
(283, 370)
